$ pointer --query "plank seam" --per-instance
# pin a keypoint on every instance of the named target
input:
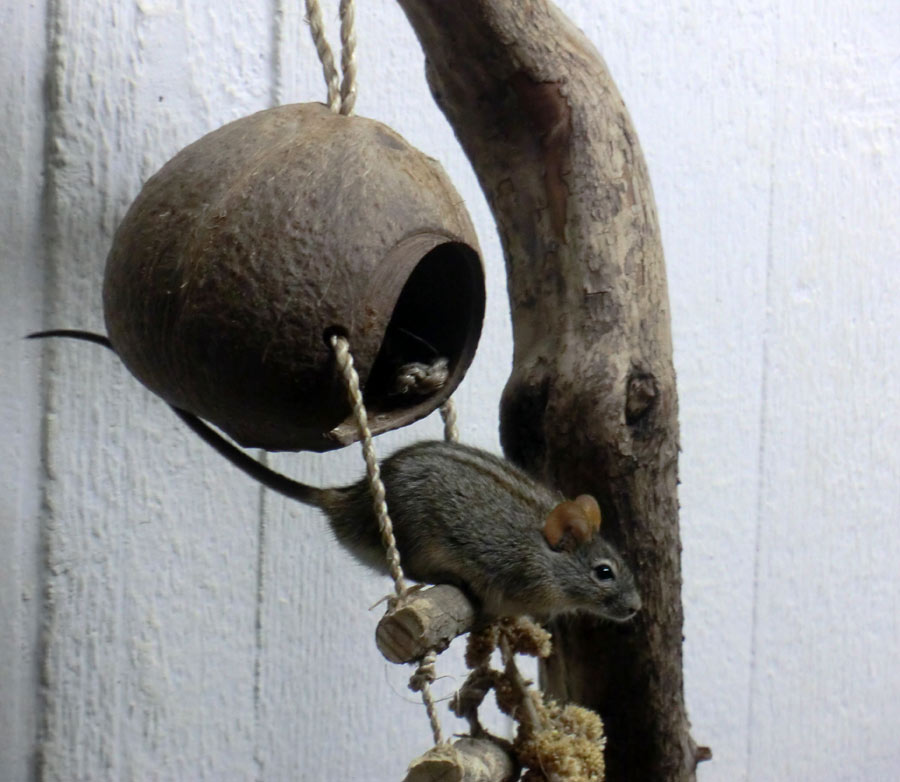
(764, 397)
(50, 240)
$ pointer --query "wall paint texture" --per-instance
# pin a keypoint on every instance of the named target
(164, 618)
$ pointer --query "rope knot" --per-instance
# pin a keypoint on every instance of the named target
(420, 378)
(425, 674)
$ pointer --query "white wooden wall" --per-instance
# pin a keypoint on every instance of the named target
(162, 618)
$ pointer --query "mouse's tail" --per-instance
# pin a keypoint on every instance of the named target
(86, 336)
(311, 495)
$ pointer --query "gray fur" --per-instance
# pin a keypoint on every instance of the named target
(465, 517)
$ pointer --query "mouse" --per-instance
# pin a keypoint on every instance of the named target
(466, 517)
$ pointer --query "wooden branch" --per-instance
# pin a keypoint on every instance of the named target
(466, 760)
(591, 404)
(430, 619)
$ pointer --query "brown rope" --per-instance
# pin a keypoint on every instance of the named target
(341, 92)
(425, 673)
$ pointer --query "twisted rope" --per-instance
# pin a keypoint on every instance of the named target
(448, 416)
(348, 56)
(421, 681)
(528, 716)
(341, 92)
(341, 348)
(317, 28)
(425, 674)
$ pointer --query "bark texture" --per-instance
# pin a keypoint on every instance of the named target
(591, 403)
(465, 760)
(430, 619)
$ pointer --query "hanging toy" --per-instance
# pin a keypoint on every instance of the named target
(253, 245)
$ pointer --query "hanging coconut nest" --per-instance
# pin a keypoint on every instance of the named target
(248, 249)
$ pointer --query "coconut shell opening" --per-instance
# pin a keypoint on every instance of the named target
(438, 315)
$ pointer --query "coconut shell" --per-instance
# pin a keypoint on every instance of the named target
(253, 244)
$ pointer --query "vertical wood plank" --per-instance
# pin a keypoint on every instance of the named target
(150, 547)
(21, 309)
(329, 704)
(825, 687)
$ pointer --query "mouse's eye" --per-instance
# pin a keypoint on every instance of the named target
(603, 572)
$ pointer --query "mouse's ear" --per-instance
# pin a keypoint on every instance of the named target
(568, 525)
(591, 510)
